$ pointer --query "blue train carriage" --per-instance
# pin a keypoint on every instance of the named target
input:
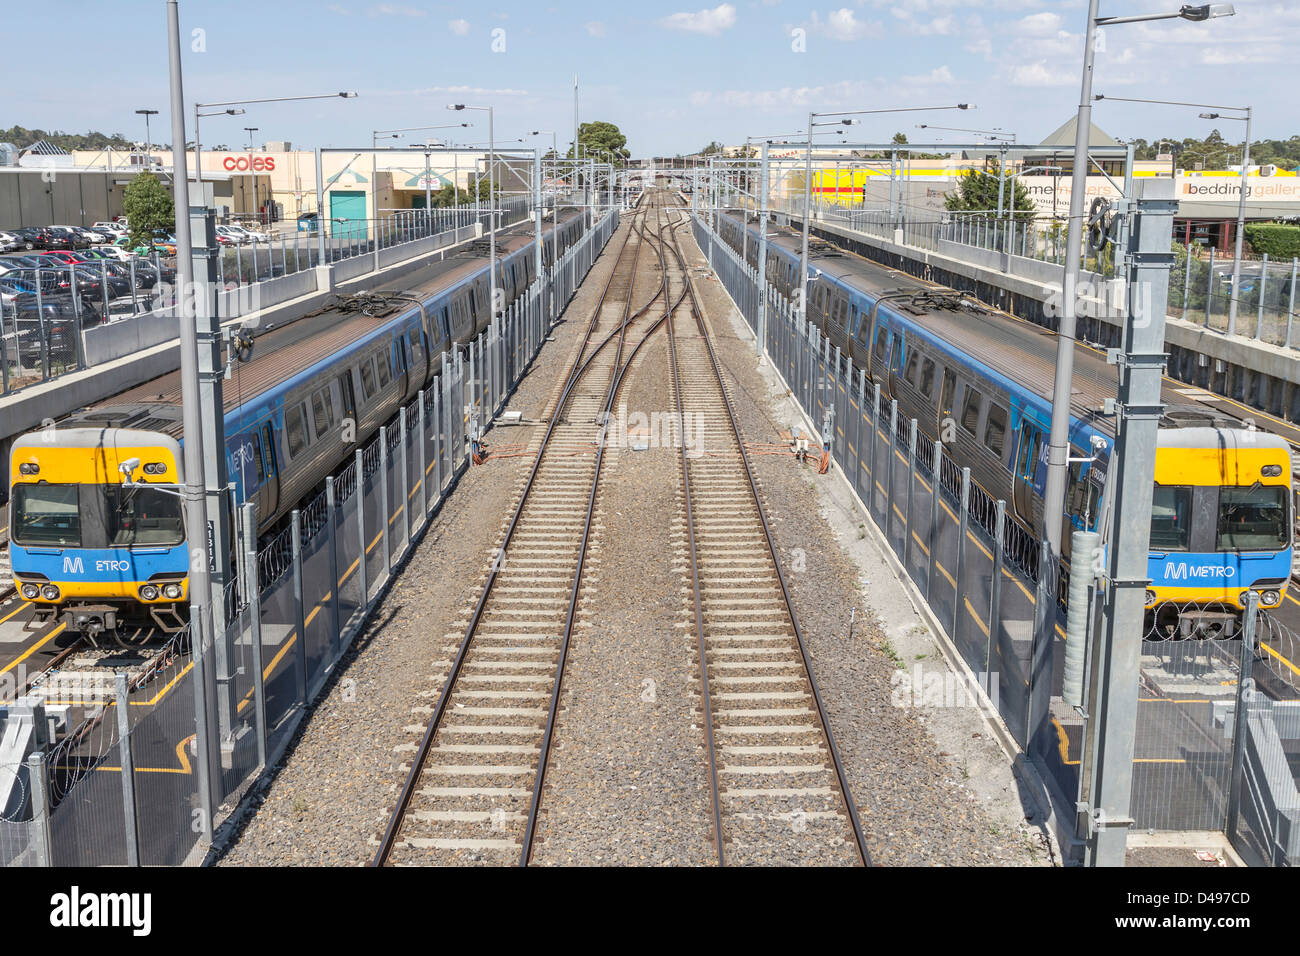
(97, 537)
(1221, 526)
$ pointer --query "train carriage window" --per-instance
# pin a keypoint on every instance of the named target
(927, 378)
(258, 456)
(295, 427)
(1253, 518)
(346, 397)
(368, 378)
(383, 361)
(417, 356)
(995, 429)
(1171, 518)
(948, 394)
(322, 411)
(896, 359)
(1082, 497)
(882, 342)
(46, 515)
(1027, 457)
(913, 361)
(970, 414)
(268, 448)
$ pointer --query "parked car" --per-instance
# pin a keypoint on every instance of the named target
(9, 241)
(59, 255)
(43, 237)
(54, 322)
(115, 229)
(246, 235)
(111, 252)
(11, 288)
(75, 239)
(20, 262)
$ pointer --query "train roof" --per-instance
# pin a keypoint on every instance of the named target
(282, 351)
(1022, 350)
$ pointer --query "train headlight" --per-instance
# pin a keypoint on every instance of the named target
(155, 468)
(172, 591)
(1270, 598)
(31, 592)
(50, 592)
(1151, 597)
(1271, 471)
(29, 468)
(148, 592)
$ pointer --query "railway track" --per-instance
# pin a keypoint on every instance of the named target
(778, 788)
(473, 788)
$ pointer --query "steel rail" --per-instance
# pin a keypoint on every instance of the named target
(849, 805)
(398, 815)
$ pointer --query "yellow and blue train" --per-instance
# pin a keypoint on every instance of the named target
(981, 380)
(96, 531)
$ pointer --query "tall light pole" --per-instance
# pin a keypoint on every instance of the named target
(807, 180)
(1245, 171)
(148, 137)
(555, 232)
(198, 175)
(1058, 447)
(250, 130)
(492, 197)
(1241, 217)
(374, 169)
(202, 631)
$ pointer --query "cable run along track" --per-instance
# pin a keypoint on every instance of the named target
(778, 788)
(476, 780)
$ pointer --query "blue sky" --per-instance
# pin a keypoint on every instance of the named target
(673, 76)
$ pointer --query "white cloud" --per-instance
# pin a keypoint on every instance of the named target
(595, 28)
(1039, 73)
(339, 9)
(394, 10)
(458, 27)
(938, 75)
(713, 22)
(842, 24)
(1038, 24)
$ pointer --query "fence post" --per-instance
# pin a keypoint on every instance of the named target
(1209, 288)
(932, 535)
(384, 514)
(405, 464)
(890, 469)
(423, 425)
(249, 517)
(300, 616)
(131, 833)
(911, 493)
(875, 436)
(857, 436)
(1290, 309)
(964, 528)
(38, 778)
(331, 515)
(995, 586)
(438, 406)
(1245, 695)
(1263, 287)
(361, 527)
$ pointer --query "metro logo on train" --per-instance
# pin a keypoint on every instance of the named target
(1181, 572)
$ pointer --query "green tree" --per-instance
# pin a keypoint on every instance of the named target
(900, 139)
(604, 140)
(148, 206)
(978, 192)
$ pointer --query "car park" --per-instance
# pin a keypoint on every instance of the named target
(50, 327)
(9, 241)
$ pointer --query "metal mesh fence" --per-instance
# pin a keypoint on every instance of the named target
(977, 568)
(304, 597)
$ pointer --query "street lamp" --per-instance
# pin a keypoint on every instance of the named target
(807, 180)
(492, 198)
(1245, 167)
(991, 133)
(374, 174)
(1058, 448)
(198, 174)
(250, 130)
(148, 137)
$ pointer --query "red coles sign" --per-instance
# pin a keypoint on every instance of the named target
(242, 164)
